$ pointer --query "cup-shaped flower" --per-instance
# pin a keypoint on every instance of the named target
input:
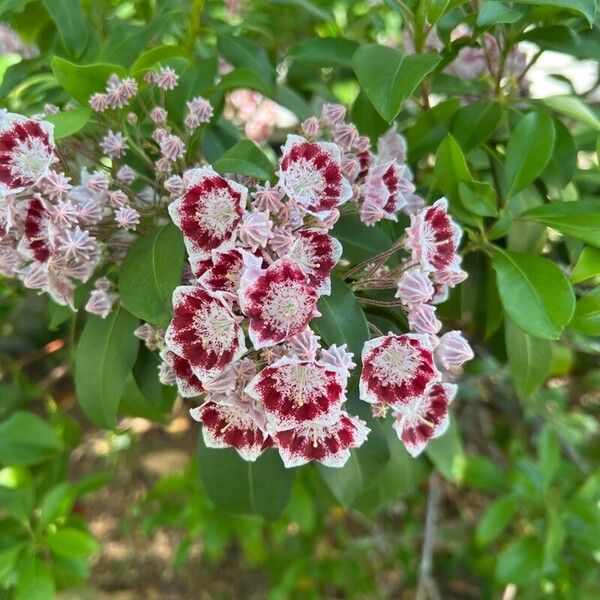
(188, 385)
(424, 417)
(35, 243)
(204, 331)
(396, 368)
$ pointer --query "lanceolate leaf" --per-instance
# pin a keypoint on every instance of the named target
(149, 274)
(528, 151)
(587, 266)
(586, 8)
(474, 123)
(70, 22)
(69, 122)
(26, 439)
(245, 158)
(529, 359)
(389, 77)
(580, 219)
(262, 487)
(105, 356)
(359, 242)
(324, 52)
(534, 293)
(587, 314)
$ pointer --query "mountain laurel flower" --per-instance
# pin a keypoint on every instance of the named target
(304, 345)
(174, 185)
(311, 127)
(310, 173)
(396, 368)
(333, 114)
(158, 115)
(77, 244)
(127, 218)
(345, 135)
(453, 350)
(292, 392)
(172, 147)
(166, 78)
(114, 145)
(126, 175)
(268, 198)
(255, 229)
(370, 212)
(414, 287)
(329, 445)
(392, 146)
(117, 199)
(338, 358)
(201, 109)
(424, 418)
(98, 102)
(204, 331)
(98, 182)
(209, 213)
(279, 302)
(188, 385)
(35, 243)
(422, 319)
(433, 238)
(63, 214)
(26, 152)
(55, 185)
(100, 303)
(34, 277)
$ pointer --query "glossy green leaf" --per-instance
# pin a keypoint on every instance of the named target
(447, 454)
(324, 52)
(367, 119)
(563, 162)
(70, 22)
(359, 242)
(244, 78)
(586, 319)
(587, 265)
(67, 123)
(245, 158)
(574, 108)
(26, 439)
(496, 519)
(481, 473)
(342, 320)
(528, 151)
(105, 356)
(478, 197)
(72, 543)
(520, 561)
(57, 502)
(492, 13)
(561, 38)
(150, 272)
(83, 81)
(475, 122)
(151, 57)
(585, 8)
(579, 219)
(242, 52)
(35, 580)
(389, 77)
(234, 485)
(534, 293)
(435, 10)
(529, 359)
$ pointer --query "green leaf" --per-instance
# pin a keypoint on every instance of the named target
(57, 502)
(367, 119)
(478, 197)
(492, 13)
(245, 158)
(548, 455)
(483, 474)
(241, 52)
(529, 358)
(234, 485)
(243, 78)
(528, 151)
(324, 52)
(560, 38)
(150, 272)
(448, 455)
(70, 22)
(436, 9)
(290, 98)
(105, 356)
(586, 8)
(83, 81)
(72, 543)
(587, 265)
(563, 162)
(520, 561)
(496, 519)
(35, 580)
(586, 319)
(135, 403)
(26, 439)
(389, 77)
(151, 57)
(534, 293)
(450, 169)
(474, 123)
(67, 123)
(364, 465)
(359, 241)
(579, 219)
(574, 108)
(342, 320)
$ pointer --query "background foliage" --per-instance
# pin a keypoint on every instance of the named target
(509, 496)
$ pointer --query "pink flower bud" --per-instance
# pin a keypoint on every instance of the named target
(100, 303)
(99, 102)
(117, 199)
(281, 241)
(310, 127)
(174, 185)
(453, 350)
(172, 147)
(414, 287)
(126, 175)
(332, 114)
(158, 115)
(345, 135)
(167, 78)
(304, 345)
(338, 358)
(127, 218)
(268, 199)
(255, 230)
(422, 319)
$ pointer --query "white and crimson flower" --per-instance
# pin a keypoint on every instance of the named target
(310, 173)
(328, 444)
(204, 331)
(233, 423)
(188, 385)
(317, 253)
(433, 238)
(209, 213)
(279, 302)
(387, 188)
(293, 392)
(425, 417)
(35, 243)
(396, 368)
(26, 152)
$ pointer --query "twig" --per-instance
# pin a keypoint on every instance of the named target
(427, 586)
